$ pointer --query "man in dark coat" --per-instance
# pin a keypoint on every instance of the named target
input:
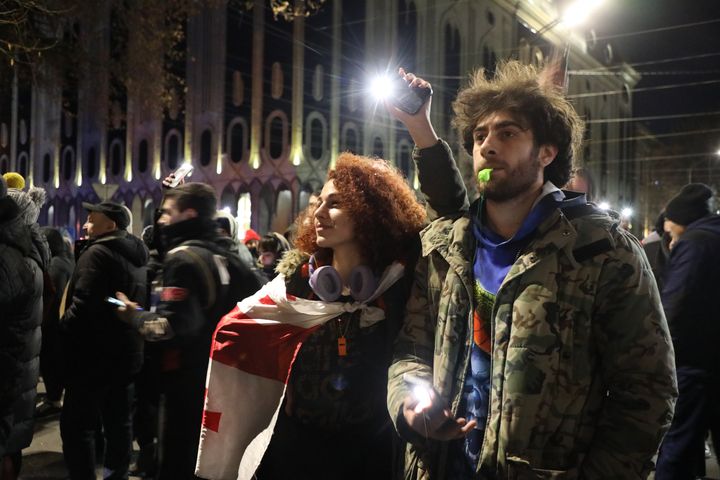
(690, 295)
(23, 257)
(201, 281)
(103, 354)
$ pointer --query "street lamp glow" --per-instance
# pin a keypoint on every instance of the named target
(381, 87)
(578, 11)
(626, 212)
(604, 206)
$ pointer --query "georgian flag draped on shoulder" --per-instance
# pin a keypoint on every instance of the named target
(252, 353)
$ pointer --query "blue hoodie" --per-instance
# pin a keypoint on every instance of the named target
(493, 258)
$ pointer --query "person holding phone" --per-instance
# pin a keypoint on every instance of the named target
(533, 318)
(200, 280)
(103, 354)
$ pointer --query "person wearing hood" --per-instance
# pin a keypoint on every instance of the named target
(271, 248)
(227, 230)
(534, 328)
(24, 256)
(689, 296)
(51, 359)
(103, 354)
(251, 240)
(201, 280)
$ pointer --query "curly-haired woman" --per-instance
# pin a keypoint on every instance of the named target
(297, 382)
(334, 422)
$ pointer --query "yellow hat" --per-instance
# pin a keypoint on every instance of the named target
(14, 180)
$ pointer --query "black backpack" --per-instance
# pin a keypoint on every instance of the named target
(228, 278)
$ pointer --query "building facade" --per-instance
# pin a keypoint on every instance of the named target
(269, 104)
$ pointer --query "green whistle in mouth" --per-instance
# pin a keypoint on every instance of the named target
(484, 175)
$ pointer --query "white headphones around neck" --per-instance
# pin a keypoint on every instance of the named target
(325, 281)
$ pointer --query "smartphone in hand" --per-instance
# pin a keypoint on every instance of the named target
(424, 393)
(408, 99)
(178, 175)
(118, 302)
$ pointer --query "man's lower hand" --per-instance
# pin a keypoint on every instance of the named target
(436, 423)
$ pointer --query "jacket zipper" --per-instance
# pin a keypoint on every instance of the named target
(492, 350)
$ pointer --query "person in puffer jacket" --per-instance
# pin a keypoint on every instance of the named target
(24, 255)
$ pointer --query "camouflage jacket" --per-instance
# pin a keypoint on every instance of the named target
(583, 380)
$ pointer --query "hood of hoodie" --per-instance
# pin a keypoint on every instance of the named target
(710, 223)
(127, 245)
(550, 199)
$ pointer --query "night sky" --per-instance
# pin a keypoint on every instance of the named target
(621, 22)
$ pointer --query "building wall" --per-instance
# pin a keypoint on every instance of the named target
(270, 104)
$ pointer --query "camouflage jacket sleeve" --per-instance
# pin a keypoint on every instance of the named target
(413, 351)
(440, 180)
(637, 367)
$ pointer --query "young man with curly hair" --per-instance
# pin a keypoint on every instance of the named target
(534, 321)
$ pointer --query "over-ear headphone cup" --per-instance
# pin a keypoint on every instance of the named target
(326, 283)
(362, 283)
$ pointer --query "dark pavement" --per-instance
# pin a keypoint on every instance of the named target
(43, 459)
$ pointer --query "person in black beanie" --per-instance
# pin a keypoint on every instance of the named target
(690, 300)
(690, 204)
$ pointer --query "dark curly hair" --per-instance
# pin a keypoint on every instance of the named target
(532, 95)
(386, 214)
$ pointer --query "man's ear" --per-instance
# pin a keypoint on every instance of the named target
(189, 213)
(547, 153)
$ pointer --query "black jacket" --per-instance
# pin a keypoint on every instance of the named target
(99, 346)
(192, 297)
(690, 295)
(23, 257)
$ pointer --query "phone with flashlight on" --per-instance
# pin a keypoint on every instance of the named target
(431, 417)
(424, 394)
(176, 177)
(398, 93)
(406, 98)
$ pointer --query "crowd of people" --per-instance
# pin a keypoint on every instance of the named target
(524, 334)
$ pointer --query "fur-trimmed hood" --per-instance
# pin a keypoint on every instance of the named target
(290, 262)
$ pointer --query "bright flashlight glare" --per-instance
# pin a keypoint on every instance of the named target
(226, 209)
(579, 11)
(626, 212)
(381, 87)
(422, 395)
(604, 206)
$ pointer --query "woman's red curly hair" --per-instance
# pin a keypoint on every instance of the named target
(387, 216)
